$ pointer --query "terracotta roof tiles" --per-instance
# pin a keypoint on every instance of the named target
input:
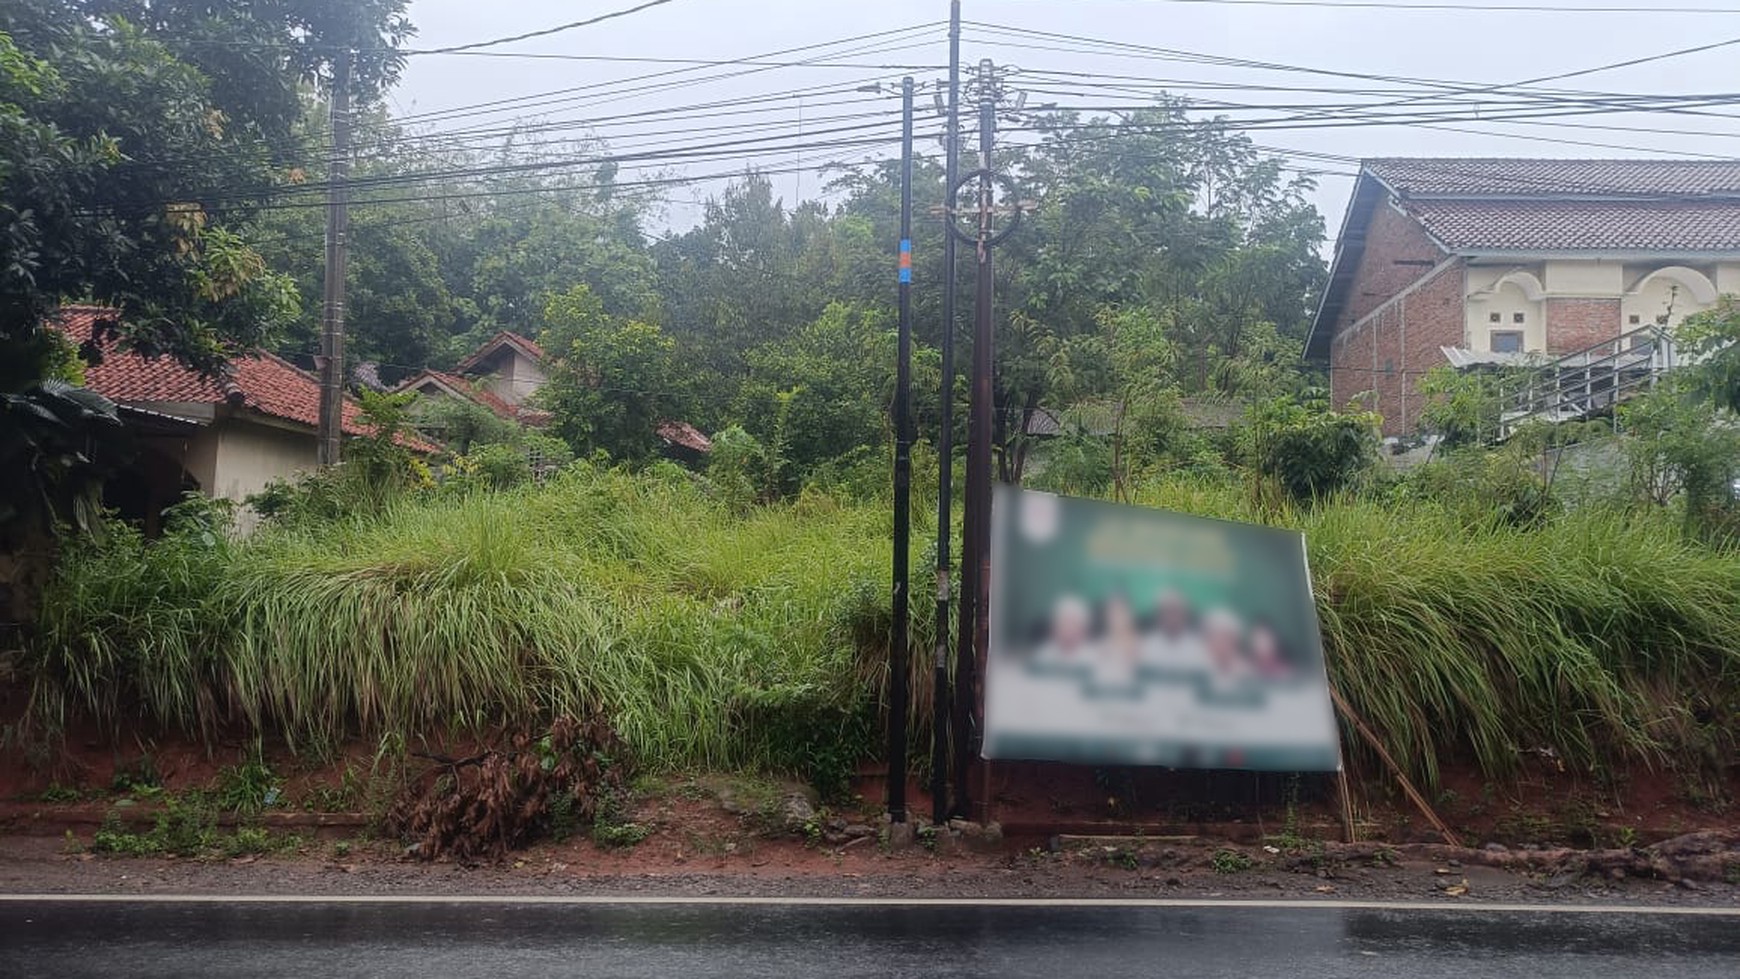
(506, 338)
(263, 382)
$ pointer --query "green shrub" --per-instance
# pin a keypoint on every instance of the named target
(1228, 861)
(738, 468)
(499, 466)
(1310, 451)
(1075, 464)
(1482, 485)
(462, 425)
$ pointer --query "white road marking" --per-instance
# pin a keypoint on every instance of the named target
(864, 902)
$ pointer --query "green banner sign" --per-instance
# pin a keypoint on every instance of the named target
(1126, 635)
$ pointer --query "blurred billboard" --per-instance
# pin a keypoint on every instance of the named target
(1126, 635)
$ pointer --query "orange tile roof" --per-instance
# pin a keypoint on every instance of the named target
(263, 382)
(473, 391)
(504, 338)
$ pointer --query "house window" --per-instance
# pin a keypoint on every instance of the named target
(1495, 317)
(1518, 317)
(1635, 320)
(1507, 341)
(1661, 320)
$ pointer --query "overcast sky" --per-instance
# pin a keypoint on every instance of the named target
(1484, 47)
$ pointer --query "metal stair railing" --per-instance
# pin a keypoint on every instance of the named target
(1587, 382)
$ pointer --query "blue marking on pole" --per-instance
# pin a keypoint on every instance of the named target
(905, 261)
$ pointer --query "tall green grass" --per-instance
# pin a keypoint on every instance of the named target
(725, 639)
(1606, 637)
(697, 629)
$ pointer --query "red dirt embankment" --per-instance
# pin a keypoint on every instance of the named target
(1548, 835)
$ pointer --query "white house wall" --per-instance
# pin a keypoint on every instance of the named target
(1728, 278)
(251, 455)
(1496, 297)
(1659, 302)
(1499, 311)
(516, 380)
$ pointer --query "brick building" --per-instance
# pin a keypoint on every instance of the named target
(1455, 261)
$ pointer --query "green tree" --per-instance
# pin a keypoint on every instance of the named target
(402, 313)
(136, 136)
(612, 380)
(823, 392)
(514, 257)
(1683, 447)
(1182, 222)
(751, 274)
(1710, 340)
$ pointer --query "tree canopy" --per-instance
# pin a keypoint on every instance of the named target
(137, 137)
(163, 157)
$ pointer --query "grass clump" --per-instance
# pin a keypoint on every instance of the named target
(1230, 861)
(714, 637)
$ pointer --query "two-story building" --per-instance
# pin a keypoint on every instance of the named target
(1456, 261)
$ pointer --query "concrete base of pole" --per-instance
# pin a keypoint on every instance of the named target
(902, 836)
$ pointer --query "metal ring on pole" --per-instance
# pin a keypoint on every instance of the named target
(1008, 186)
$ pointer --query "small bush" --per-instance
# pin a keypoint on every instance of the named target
(619, 835)
(1310, 451)
(184, 828)
(247, 787)
(1229, 861)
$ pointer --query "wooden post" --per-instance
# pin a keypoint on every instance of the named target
(1348, 832)
(1395, 769)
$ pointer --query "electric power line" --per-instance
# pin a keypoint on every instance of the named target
(545, 32)
(1441, 7)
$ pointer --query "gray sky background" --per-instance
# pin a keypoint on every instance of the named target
(1482, 47)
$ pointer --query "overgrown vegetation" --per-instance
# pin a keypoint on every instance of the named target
(712, 636)
(709, 637)
(1500, 600)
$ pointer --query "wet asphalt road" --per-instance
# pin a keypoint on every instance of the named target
(691, 941)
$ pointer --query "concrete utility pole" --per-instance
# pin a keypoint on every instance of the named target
(945, 445)
(973, 637)
(331, 359)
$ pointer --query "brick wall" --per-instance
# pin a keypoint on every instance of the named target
(1397, 253)
(1577, 324)
(1389, 353)
(1352, 358)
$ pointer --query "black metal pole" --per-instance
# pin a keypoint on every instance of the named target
(899, 652)
(975, 556)
(945, 446)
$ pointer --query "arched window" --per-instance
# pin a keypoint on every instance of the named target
(1665, 297)
(1507, 318)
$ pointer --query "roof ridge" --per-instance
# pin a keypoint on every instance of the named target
(1548, 159)
(280, 361)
